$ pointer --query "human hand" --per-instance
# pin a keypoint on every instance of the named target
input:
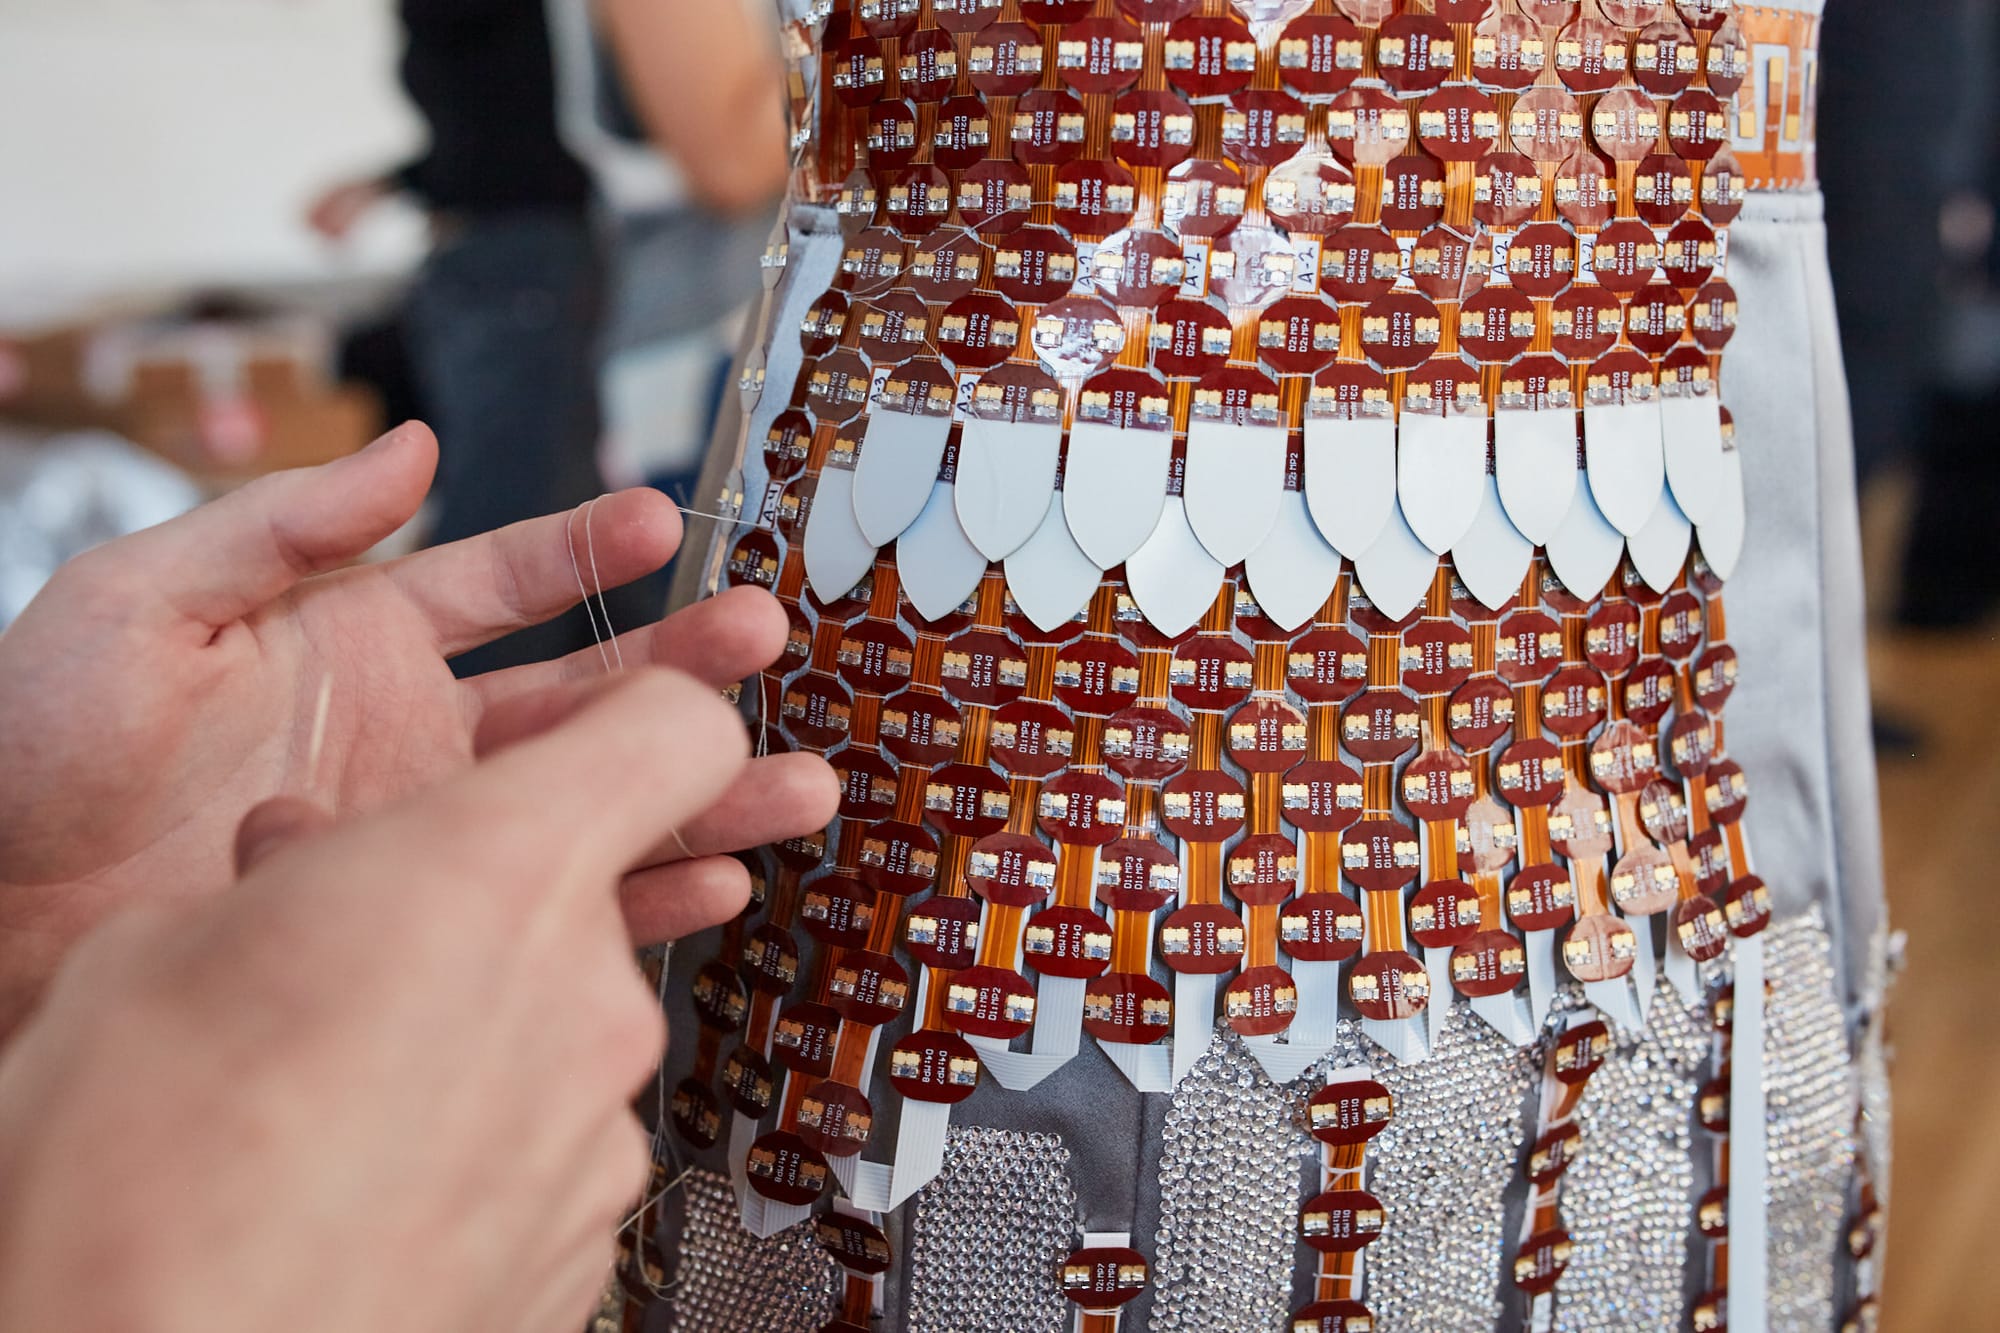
(164, 684)
(381, 1083)
(334, 212)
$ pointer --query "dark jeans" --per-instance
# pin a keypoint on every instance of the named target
(502, 326)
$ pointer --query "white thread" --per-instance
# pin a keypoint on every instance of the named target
(654, 1198)
(732, 519)
(569, 534)
(598, 637)
(603, 607)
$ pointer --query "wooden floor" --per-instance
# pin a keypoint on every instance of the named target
(1941, 810)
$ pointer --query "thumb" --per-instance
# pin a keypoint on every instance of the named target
(222, 561)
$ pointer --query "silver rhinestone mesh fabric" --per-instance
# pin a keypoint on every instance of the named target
(990, 1233)
(1628, 1197)
(728, 1281)
(1231, 1164)
(1810, 1096)
(1872, 1061)
(1441, 1170)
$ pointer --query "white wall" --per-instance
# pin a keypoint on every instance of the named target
(149, 145)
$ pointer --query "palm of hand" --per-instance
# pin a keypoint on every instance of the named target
(230, 719)
(166, 683)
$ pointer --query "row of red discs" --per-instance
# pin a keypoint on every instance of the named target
(1082, 810)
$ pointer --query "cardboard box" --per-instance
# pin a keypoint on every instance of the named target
(223, 399)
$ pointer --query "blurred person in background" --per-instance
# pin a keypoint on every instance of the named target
(689, 170)
(1911, 178)
(503, 322)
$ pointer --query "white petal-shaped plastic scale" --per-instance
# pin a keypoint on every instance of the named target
(1114, 488)
(1534, 459)
(1440, 472)
(1722, 532)
(1293, 572)
(1659, 550)
(837, 554)
(1396, 571)
(1584, 549)
(1691, 435)
(900, 453)
(1235, 477)
(1173, 578)
(1493, 556)
(1350, 480)
(1621, 445)
(936, 563)
(1006, 474)
(1050, 577)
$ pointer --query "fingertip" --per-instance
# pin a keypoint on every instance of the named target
(669, 902)
(645, 525)
(818, 789)
(275, 824)
(411, 433)
(411, 444)
(704, 726)
(760, 619)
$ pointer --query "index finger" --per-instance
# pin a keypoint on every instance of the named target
(473, 591)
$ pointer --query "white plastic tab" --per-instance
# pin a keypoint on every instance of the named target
(1437, 962)
(899, 460)
(1691, 433)
(1659, 549)
(762, 1217)
(837, 554)
(1050, 577)
(1402, 1038)
(1114, 486)
(1584, 549)
(1534, 460)
(1058, 1035)
(1440, 472)
(1614, 1000)
(1645, 965)
(1350, 479)
(1749, 1256)
(1293, 572)
(1006, 474)
(1235, 481)
(920, 1139)
(1540, 947)
(1146, 1068)
(1722, 531)
(1173, 577)
(1313, 1029)
(1396, 571)
(1621, 443)
(1194, 1018)
(1493, 556)
(936, 562)
(1507, 1015)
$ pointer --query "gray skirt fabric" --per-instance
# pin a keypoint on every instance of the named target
(1799, 721)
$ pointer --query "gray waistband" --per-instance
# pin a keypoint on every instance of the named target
(1806, 205)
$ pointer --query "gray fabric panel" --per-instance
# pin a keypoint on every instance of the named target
(1799, 721)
